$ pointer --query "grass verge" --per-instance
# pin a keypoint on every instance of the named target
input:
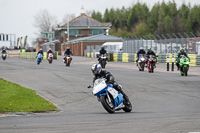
(14, 98)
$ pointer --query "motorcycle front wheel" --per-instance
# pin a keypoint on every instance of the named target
(109, 107)
(152, 67)
(142, 66)
(186, 71)
(38, 62)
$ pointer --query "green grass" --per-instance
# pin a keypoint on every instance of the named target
(14, 98)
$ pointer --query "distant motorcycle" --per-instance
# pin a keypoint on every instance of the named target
(184, 65)
(50, 57)
(4, 55)
(141, 62)
(151, 63)
(103, 60)
(110, 98)
(39, 58)
(67, 60)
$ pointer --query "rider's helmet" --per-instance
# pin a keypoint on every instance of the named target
(49, 49)
(102, 47)
(68, 48)
(149, 49)
(96, 69)
(40, 49)
(141, 48)
(182, 50)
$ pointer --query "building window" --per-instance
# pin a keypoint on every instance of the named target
(44, 35)
(79, 32)
(74, 32)
(90, 32)
(96, 31)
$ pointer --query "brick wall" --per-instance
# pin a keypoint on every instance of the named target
(79, 48)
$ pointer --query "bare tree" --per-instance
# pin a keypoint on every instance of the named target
(67, 17)
(89, 12)
(44, 21)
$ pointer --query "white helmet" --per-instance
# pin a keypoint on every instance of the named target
(96, 69)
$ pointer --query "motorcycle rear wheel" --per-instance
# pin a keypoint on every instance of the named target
(128, 107)
(38, 62)
(109, 107)
(103, 64)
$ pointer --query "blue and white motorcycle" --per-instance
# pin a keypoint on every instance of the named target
(110, 98)
(141, 62)
(39, 58)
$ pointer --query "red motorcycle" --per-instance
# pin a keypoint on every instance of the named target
(151, 64)
(50, 57)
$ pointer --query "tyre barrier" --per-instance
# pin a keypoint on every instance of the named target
(129, 57)
(32, 55)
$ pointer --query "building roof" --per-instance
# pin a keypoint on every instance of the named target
(51, 42)
(86, 21)
(96, 38)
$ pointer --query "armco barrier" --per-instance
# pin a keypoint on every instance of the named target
(27, 55)
(115, 57)
(161, 58)
(119, 57)
(32, 55)
(110, 57)
(129, 57)
(125, 57)
(198, 60)
(192, 59)
(170, 58)
(88, 54)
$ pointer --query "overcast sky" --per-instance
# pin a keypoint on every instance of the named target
(16, 16)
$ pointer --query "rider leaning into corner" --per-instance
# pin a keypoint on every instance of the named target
(150, 52)
(67, 53)
(102, 52)
(182, 52)
(99, 73)
(141, 51)
(49, 51)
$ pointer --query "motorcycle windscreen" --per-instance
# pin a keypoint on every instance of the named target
(99, 86)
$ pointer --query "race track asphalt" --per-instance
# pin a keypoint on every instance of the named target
(163, 102)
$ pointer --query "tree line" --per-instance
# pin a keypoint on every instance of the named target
(163, 18)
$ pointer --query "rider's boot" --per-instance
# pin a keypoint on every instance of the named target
(177, 66)
(64, 59)
(137, 62)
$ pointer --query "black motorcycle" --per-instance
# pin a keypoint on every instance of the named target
(4, 55)
(103, 60)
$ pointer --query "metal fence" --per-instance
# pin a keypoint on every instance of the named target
(163, 44)
(92, 49)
